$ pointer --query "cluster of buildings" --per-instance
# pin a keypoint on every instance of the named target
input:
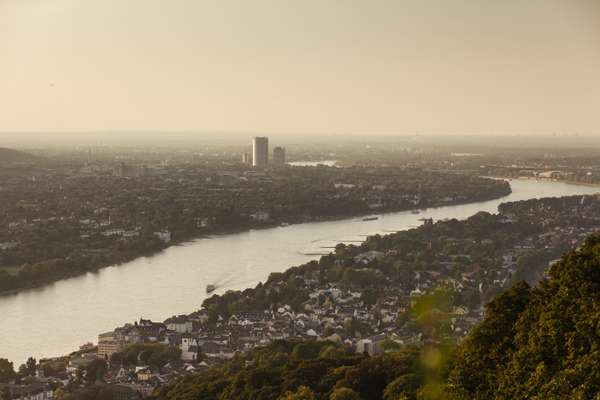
(26, 391)
(259, 155)
(95, 211)
(370, 298)
(344, 311)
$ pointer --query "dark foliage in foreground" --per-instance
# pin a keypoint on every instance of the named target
(539, 343)
(306, 369)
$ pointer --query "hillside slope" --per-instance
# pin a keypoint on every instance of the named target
(308, 370)
(534, 343)
(538, 343)
(15, 156)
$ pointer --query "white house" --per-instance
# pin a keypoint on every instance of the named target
(189, 349)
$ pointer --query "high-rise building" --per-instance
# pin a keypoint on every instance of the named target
(260, 151)
(279, 155)
(246, 158)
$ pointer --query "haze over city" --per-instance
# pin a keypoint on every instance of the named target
(299, 199)
(307, 67)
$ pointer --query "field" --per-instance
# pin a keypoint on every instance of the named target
(11, 270)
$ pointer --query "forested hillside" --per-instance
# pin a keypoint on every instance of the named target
(15, 156)
(316, 370)
(539, 343)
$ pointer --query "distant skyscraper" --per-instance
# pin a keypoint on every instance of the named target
(260, 151)
(246, 158)
(279, 155)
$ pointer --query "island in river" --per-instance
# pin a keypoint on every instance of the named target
(67, 222)
(412, 288)
(175, 280)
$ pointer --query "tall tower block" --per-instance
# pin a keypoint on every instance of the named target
(260, 151)
(279, 155)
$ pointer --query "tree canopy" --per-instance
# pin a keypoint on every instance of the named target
(304, 370)
(7, 371)
(538, 343)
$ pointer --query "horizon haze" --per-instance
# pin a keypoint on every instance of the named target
(355, 67)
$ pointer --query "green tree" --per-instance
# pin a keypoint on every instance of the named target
(96, 370)
(307, 349)
(62, 394)
(402, 387)
(344, 394)
(7, 372)
(29, 368)
(370, 296)
(389, 345)
(538, 343)
(489, 344)
(302, 393)
(335, 352)
(5, 394)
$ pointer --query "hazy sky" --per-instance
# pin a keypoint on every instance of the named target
(362, 66)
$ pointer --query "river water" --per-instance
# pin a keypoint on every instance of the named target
(57, 318)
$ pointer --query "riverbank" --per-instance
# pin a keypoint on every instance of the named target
(531, 178)
(174, 281)
(523, 241)
(158, 247)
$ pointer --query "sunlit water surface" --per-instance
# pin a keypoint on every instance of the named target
(57, 318)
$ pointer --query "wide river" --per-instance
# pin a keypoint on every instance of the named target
(57, 318)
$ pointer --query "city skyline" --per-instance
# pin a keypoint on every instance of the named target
(299, 199)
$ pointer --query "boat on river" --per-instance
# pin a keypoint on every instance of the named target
(174, 274)
(210, 288)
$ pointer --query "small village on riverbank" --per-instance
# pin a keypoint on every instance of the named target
(413, 288)
(408, 289)
(292, 200)
(71, 220)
